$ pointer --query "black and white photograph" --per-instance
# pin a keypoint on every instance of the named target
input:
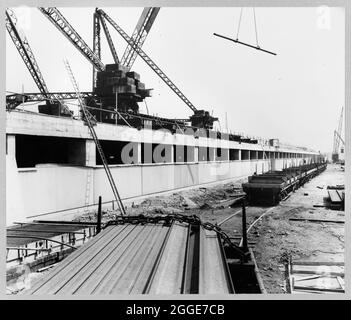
(165, 151)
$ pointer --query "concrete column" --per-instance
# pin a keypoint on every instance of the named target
(273, 164)
(226, 154)
(138, 148)
(196, 154)
(90, 153)
(11, 145)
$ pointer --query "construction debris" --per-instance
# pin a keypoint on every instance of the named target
(316, 277)
(336, 197)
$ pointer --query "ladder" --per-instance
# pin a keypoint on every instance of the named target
(88, 119)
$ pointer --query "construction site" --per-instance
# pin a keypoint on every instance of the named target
(107, 197)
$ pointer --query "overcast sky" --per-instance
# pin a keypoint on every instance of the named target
(295, 96)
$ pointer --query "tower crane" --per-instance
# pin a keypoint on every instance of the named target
(200, 118)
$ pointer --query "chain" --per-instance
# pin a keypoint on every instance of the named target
(168, 219)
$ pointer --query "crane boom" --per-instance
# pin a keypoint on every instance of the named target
(109, 40)
(60, 22)
(96, 43)
(139, 35)
(148, 60)
(337, 133)
(25, 51)
(87, 118)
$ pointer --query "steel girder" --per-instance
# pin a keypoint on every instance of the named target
(139, 35)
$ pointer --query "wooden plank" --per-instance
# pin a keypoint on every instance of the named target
(341, 282)
(303, 278)
(334, 196)
(323, 282)
(308, 269)
(341, 274)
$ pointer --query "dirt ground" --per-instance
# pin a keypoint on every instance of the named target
(274, 238)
